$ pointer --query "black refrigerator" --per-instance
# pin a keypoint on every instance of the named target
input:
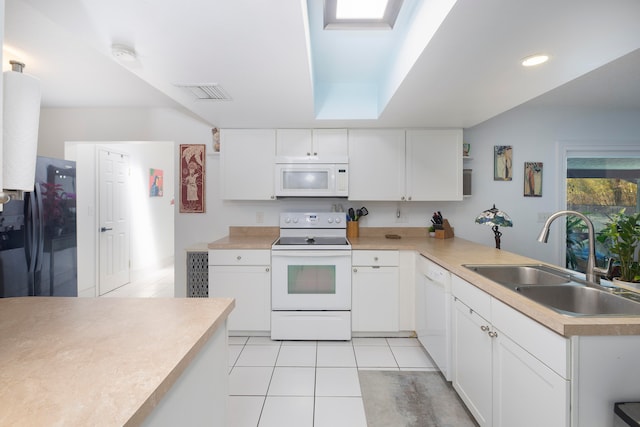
(38, 246)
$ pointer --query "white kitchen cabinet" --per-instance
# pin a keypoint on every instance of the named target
(326, 144)
(247, 159)
(507, 380)
(434, 164)
(375, 288)
(472, 362)
(376, 164)
(411, 165)
(246, 276)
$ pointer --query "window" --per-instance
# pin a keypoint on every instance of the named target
(598, 186)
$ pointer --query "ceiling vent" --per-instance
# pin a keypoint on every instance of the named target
(207, 91)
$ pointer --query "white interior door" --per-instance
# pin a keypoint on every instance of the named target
(114, 221)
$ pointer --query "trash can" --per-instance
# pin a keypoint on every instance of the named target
(627, 414)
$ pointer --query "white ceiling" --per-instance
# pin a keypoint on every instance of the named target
(259, 51)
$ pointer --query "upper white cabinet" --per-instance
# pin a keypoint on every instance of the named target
(376, 164)
(434, 164)
(247, 164)
(412, 165)
(321, 143)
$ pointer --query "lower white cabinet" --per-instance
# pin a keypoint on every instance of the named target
(375, 291)
(246, 276)
(501, 383)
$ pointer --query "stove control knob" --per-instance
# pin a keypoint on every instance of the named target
(295, 220)
(287, 220)
(330, 220)
(338, 220)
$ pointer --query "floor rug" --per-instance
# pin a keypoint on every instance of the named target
(411, 399)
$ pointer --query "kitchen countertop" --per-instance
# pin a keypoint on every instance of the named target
(247, 238)
(97, 361)
(452, 254)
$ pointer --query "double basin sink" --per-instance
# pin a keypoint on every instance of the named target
(562, 291)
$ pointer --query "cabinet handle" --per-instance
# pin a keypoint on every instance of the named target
(409, 198)
(402, 198)
(484, 328)
(308, 153)
(355, 270)
(493, 334)
(315, 154)
(266, 269)
(273, 197)
(239, 257)
(375, 258)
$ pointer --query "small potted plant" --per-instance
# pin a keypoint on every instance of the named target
(622, 237)
(432, 231)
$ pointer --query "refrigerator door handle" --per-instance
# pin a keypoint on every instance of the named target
(31, 243)
(39, 227)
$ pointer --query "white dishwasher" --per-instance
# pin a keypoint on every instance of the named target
(434, 321)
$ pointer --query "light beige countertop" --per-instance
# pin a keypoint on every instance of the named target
(97, 361)
(247, 238)
(452, 254)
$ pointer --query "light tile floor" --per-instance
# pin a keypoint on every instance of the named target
(309, 383)
(297, 383)
(159, 284)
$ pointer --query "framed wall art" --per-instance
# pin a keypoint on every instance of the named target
(192, 178)
(533, 179)
(155, 182)
(502, 163)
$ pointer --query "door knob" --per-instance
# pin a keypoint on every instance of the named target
(103, 229)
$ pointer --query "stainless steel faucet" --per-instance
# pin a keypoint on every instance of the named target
(593, 273)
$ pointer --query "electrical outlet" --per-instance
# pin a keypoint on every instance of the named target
(259, 217)
(401, 217)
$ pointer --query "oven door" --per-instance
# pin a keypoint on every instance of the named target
(311, 280)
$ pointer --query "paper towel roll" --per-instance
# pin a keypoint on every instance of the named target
(21, 116)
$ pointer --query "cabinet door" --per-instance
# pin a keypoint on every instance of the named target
(375, 299)
(246, 164)
(330, 143)
(250, 286)
(434, 165)
(527, 393)
(472, 362)
(376, 164)
(294, 143)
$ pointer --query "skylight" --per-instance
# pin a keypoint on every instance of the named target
(360, 14)
(360, 9)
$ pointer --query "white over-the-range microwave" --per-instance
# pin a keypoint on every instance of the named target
(311, 178)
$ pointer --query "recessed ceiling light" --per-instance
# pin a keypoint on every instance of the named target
(533, 60)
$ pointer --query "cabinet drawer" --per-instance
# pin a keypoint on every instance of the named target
(473, 297)
(239, 257)
(386, 258)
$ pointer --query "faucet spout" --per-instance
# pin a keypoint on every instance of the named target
(593, 273)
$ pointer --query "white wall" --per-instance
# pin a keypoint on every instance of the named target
(533, 132)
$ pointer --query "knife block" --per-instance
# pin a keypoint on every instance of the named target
(446, 232)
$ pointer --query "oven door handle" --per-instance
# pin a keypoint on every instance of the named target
(310, 253)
